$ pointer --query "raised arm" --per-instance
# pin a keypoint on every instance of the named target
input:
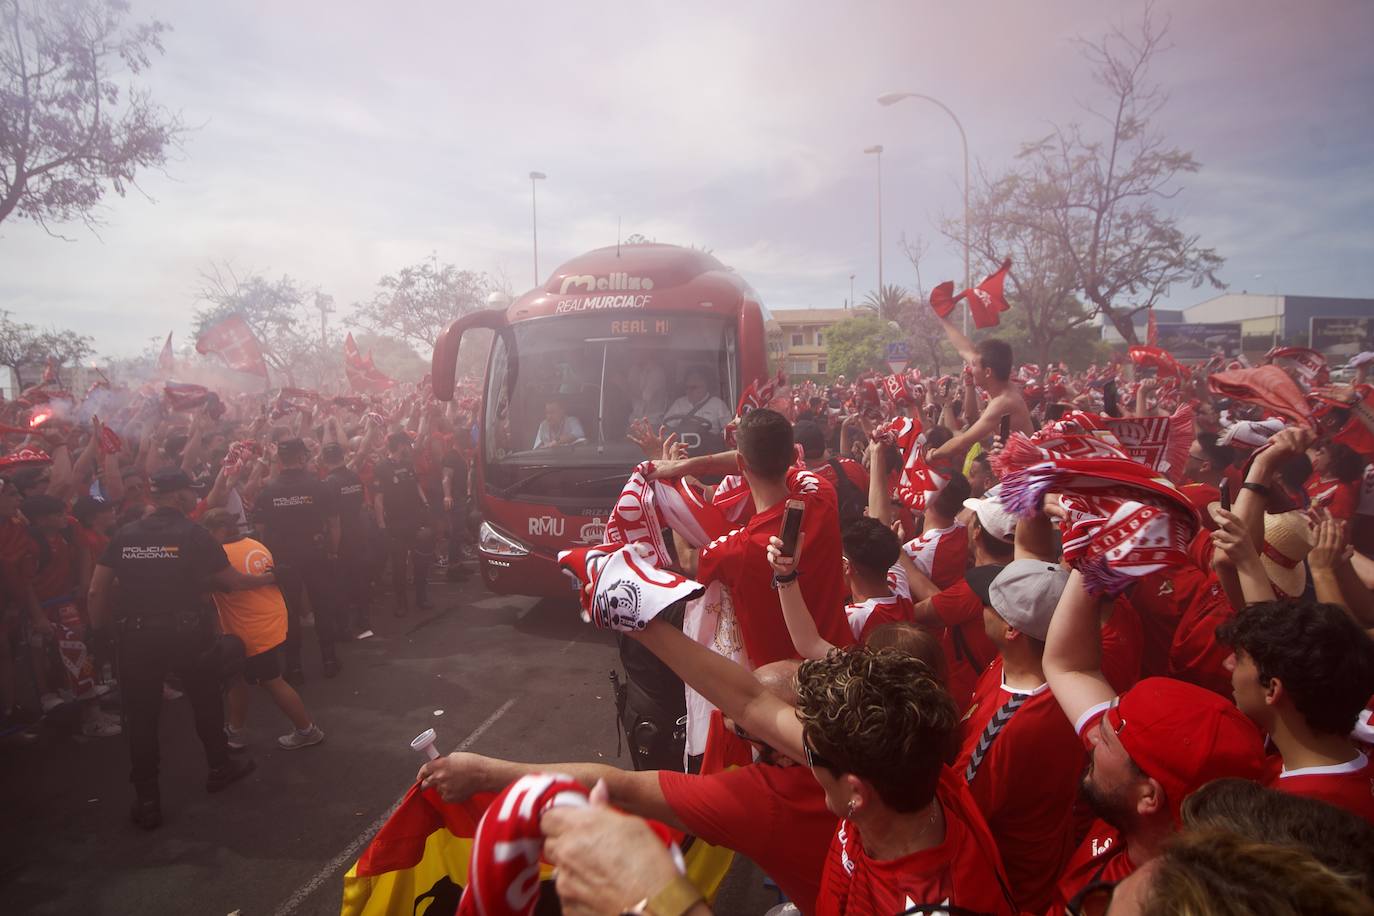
(879, 498)
(727, 686)
(801, 626)
(1073, 652)
(962, 344)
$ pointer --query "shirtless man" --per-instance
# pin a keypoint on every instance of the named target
(991, 363)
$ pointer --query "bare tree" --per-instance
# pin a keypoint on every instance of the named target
(1097, 201)
(418, 302)
(22, 344)
(68, 128)
(931, 347)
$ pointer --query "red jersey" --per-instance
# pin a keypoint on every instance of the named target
(774, 815)
(54, 568)
(852, 469)
(1348, 785)
(738, 561)
(967, 647)
(1180, 609)
(1122, 645)
(867, 616)
(1029, 809)
(940, 553)
(1100, 858)
(1340, 499)
(964, 870)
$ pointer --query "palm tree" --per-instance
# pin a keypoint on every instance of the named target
(890, 303)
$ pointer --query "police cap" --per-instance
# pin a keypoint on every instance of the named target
(170, 480)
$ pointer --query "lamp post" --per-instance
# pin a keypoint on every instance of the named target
(892, 98)
(851, 291)
(878, 151)
(534, 220)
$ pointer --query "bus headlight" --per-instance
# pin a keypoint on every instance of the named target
(494, 542)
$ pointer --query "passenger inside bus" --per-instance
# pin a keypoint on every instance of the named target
(697, 401)
(558, 428)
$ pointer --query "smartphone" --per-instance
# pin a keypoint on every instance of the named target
(1005, 430)
(1225, 494)
(791, 526)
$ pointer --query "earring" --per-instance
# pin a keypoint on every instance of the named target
(849, 812)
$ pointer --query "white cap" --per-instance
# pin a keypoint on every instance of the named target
(996, 520)
(1359, 359)
(1250, 433)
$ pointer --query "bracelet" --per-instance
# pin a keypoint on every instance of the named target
(673, 899)
(780, 581)
(1259, 488)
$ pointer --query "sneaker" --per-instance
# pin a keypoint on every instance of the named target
(50, 701)
(231, 772)
(100, 728)
(298, 739)
(236, 738)
(365, 634)
(171, 693)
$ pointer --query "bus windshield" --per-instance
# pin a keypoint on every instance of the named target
(563, 390)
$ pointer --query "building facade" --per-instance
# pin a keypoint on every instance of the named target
(797, 339)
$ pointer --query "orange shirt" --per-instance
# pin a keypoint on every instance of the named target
(255, 615)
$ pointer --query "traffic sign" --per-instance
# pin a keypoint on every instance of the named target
(898, 355)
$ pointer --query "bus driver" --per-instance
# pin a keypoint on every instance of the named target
(558, 427)
(698, 401)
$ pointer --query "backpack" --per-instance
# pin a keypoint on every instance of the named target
(851, 501)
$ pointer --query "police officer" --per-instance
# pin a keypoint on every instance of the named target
(352, 568)
(299, 522)
(403, 514)
(164, 565)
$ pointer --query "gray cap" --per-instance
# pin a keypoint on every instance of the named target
(995, 519)
(1025, 594)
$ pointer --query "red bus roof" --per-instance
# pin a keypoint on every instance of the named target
(638, 277)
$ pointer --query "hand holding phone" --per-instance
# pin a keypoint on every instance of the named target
(1225, 494)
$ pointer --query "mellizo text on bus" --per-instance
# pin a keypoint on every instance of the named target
(659, 332)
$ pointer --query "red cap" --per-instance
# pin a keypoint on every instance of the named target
(1184, 736)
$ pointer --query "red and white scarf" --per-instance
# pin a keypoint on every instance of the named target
(918, 478)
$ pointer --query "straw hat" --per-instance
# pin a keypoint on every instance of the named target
(1288, 538)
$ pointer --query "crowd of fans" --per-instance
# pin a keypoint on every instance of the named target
(1047, 642)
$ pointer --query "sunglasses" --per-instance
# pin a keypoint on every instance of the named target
(815, 760)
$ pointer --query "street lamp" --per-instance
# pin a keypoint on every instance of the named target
(892, 98)
(878, 151)
(851, 291)
(534, 220)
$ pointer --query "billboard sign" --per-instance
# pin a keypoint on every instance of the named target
(1200, 341)
(1341, 338)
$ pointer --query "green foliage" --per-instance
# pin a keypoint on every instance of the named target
(22, 344)
(857, 345)
(891, 303)
(392, 356)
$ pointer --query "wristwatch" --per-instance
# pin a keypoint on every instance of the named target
(673, 899)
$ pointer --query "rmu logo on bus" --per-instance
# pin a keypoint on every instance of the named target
(548, 526)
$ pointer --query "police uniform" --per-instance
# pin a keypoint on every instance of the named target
(352, 569)
(408, 534)
(165, 624)
(296, 507)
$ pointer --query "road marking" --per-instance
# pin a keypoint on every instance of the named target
(350, 852)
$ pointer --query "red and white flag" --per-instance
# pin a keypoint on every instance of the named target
(234, 342)
(362, 373)
(986, 301)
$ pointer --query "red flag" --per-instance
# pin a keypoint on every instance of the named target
(1152, 330)
(759, 393)
(1160, 360)
(166, 362)
(185, 396)
(362, 374)
(942, 299)
(234, 342)
(987, 300)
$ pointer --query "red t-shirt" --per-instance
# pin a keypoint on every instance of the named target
(1122, 644)
(867, 616)
(1340, 499)
(774, 815)
(738, 561)
(1029, 809)
(963, 871)
(940, 553)
(967, 647)
(852, 469)
(56, 577)
(1346, 785)
(1101, 857)
(1180, 609)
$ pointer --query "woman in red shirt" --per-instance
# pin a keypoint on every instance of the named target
(1337, 470)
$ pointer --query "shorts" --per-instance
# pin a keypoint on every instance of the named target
(262, 667)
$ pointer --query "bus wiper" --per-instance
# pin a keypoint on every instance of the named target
(528, 478)
(613, 478)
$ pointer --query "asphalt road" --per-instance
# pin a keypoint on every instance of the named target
(505, 676)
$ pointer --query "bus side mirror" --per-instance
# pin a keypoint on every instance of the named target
(444, 363)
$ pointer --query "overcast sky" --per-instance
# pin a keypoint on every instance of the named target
(339, 141)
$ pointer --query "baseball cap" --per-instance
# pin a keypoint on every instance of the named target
(170, 480)
(1250, 433)
(1184, 736)
(994, 518)
(1025, 593)
(979, 579)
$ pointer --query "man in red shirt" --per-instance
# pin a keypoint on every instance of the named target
(1303, 671)
(738, 560)
(1018, 754)
(819, 461)
(870, 557)
(873, 727)
(941, 550)
(1147, 748)
(774, 813)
